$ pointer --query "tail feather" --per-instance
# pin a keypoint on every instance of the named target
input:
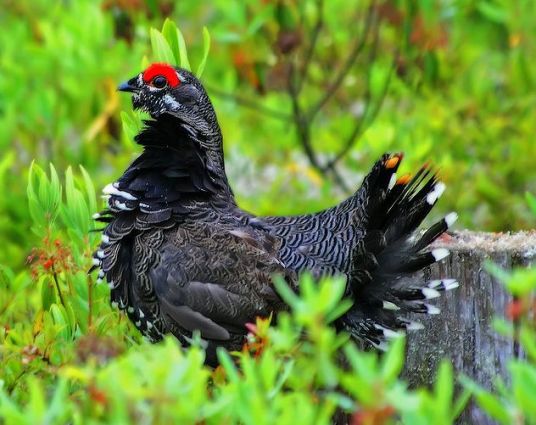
(383, 280)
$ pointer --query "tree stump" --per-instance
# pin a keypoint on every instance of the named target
(463, 332)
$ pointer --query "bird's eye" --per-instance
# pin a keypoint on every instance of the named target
(159, 82)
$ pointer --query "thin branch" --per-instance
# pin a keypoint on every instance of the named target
(55, 276)
(366, 117)
(248, 103)
(319, 23)
(301, 121)
(350, 60)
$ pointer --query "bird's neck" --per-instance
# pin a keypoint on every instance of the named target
(184, 162)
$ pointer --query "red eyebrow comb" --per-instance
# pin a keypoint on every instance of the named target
(163, 69)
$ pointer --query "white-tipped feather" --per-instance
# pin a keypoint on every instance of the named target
(149, 325)
(141, 313)
(100, 253)
(96, 261)
(130, 310)
(451, 218)
(392, 181)
(432, 309)
(138, 324)
(122, 206)
(436, 193)
(435, 283)
(388, 305)
(101, 273)
(414, 326)
(99, 281)
(439, 189)
(111, 189)
(105, 238)
(452, 284)
(96, 216)
(382, 346)
(430, 293)
(114, 304)
(440, 253)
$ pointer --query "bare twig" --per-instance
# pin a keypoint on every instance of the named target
(248, 103)
(55, 276)
(319, 23)
(367, 116)
(350, 60)
(303, 124)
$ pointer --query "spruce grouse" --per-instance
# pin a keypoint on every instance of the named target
(181, 256)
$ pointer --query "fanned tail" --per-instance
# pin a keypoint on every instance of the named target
(383, 280)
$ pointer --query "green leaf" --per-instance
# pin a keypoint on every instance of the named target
(48, 293)
(169, 31)
(444, 386)
(491, 404)
(393, 361)
(183, 53)
(206, 49)
(161, 49)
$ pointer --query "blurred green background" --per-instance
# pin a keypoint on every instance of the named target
(308, 93)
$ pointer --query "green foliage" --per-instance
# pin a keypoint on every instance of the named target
(81, 362)
(460, 94)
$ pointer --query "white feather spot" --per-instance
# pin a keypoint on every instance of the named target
(388, 305)
(414, 326)
(388, 333)
(111, 284)
(99, 281)
(114, 304)
(434, 283)
(430, 293)
(432, 309)
(149, 325)
(100, 253)
(105, 238)
(382, 345)
(436, 193)
(96, 216)
(122, 206)
(440, 253)
(111, 189)
(130, 309)
(451, 218)
(96, 261)
(450, 284)
(392, 181)
(141, 313)
(138, 324)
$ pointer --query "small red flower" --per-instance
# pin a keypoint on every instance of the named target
(515, 309)
(47, 265)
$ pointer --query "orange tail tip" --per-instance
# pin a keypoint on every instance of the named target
(405, 179)
(394, 160)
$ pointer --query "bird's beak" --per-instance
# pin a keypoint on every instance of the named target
(129, 86)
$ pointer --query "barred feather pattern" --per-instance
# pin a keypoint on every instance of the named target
(180, 256)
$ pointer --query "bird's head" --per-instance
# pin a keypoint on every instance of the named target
(163, 88)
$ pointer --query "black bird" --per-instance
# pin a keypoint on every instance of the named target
(180, 256)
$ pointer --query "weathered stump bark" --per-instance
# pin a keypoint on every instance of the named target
(464, 332)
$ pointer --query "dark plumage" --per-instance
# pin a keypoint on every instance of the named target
(179, 254)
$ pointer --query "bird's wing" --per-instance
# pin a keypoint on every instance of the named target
(213, 281)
